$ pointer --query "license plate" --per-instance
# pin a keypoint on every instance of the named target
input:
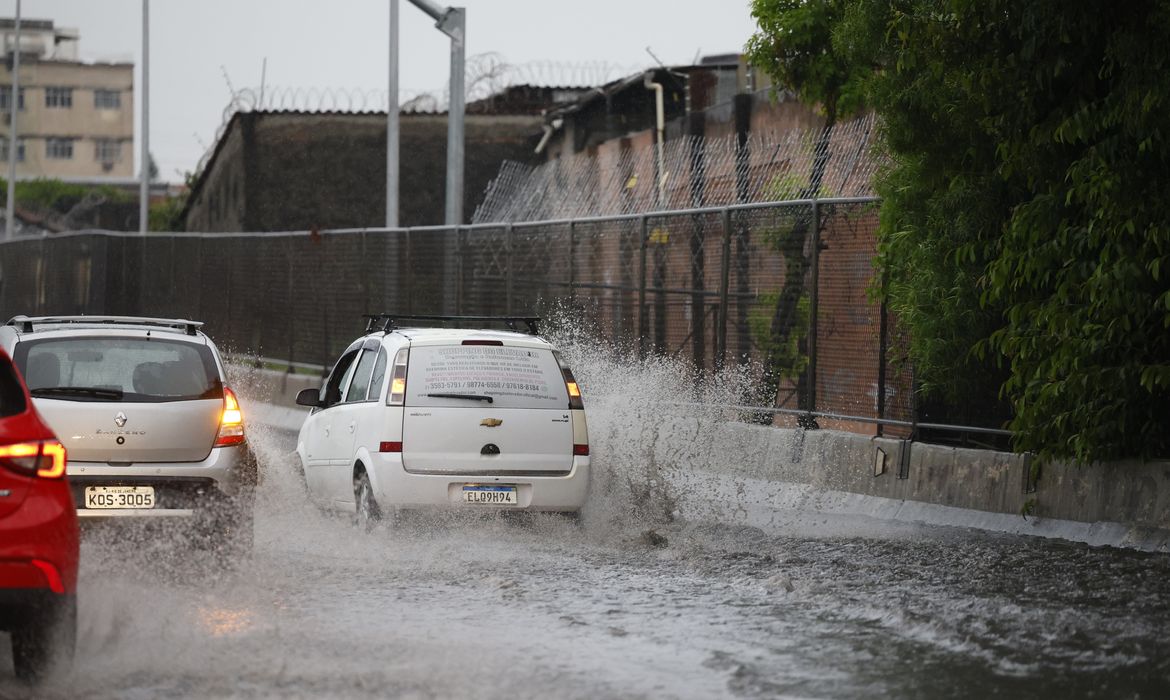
(119, 497)
(491, 495)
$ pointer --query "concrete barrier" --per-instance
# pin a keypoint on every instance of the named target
(1122, 503)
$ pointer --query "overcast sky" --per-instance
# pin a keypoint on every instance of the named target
(343, 44)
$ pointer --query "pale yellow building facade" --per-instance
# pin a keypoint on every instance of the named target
(75, 120)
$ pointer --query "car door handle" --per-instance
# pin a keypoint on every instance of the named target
(326, 431)
(351, 427)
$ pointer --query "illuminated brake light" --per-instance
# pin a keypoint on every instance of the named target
(390, 446)
(52, 576)
(44, 459)
(231, 421)
(55, 468)
(570, 384)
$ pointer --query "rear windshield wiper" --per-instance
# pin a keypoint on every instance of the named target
(469, 397)
(88, 391)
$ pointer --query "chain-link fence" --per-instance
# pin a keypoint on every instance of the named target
(696, 171)
(780, 289)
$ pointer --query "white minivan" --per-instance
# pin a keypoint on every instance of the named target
(420, 417)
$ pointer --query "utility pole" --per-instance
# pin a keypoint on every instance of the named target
(452, 21)
(144, 188)
(13, 103)
(392, 124)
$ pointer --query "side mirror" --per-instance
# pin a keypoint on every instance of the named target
(309, 397)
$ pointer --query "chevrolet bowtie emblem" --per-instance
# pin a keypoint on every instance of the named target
(491, 422)
(120, 419)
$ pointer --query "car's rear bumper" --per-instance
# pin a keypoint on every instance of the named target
(394, 487)
(181, 490)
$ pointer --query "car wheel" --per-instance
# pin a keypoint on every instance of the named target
(368, 513)
(45, 641)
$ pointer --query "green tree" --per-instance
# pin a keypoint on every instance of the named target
(789, 47)
(1024, 217)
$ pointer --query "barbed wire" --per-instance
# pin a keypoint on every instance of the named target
(697, 171)
(487, 74)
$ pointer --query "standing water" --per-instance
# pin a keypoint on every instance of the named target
(661, 590)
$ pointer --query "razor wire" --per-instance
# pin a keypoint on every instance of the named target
(487, 74)
(696, 172)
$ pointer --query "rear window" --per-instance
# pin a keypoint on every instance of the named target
(513, 377)
(119, 369)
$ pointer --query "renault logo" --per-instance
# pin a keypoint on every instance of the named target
(120, 419)
(490, 422)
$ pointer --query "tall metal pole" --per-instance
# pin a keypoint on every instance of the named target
(392, 124)
(455, 27)
(452, 21)
(13, 103)
(144, 187)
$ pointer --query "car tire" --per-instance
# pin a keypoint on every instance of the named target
(45, 641)
(367, 513)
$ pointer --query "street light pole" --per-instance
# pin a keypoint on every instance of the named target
(452, 21)
(144, 187)
(392, 124)
(13, 103)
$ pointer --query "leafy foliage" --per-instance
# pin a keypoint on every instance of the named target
(1025, 223)
(55, 195)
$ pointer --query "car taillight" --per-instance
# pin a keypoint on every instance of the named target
(43, 458)
(397, 395)
(390, 446)
(231, 421)
(570, 383)
(581, 450)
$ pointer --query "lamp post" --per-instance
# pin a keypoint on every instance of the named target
(13, 103)
(392, 124)
(452, 21)
(144, 186)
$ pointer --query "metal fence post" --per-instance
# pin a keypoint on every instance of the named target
(409, 274)
(643, 319)
(883, 341)
(509, 273)
(458, 270)
(572, 258)
(724, 285)
(814, 306)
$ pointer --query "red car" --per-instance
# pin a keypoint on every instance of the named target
(38, 535)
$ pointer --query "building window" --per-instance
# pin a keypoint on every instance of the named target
(107, 99)
(107, 150)
(6, 98)
(59, 149)
(59, 97)
(4, 150)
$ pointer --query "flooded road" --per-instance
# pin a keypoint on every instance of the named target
(658, 592)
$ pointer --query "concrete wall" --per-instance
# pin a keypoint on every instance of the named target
(290, 171)
(1132, 495)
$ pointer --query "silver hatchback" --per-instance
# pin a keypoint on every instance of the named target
(150, 426)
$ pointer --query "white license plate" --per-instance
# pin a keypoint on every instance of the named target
(119, 497)
(490, 495)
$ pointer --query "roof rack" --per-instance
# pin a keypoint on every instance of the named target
(388, 322)
(26, 323)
